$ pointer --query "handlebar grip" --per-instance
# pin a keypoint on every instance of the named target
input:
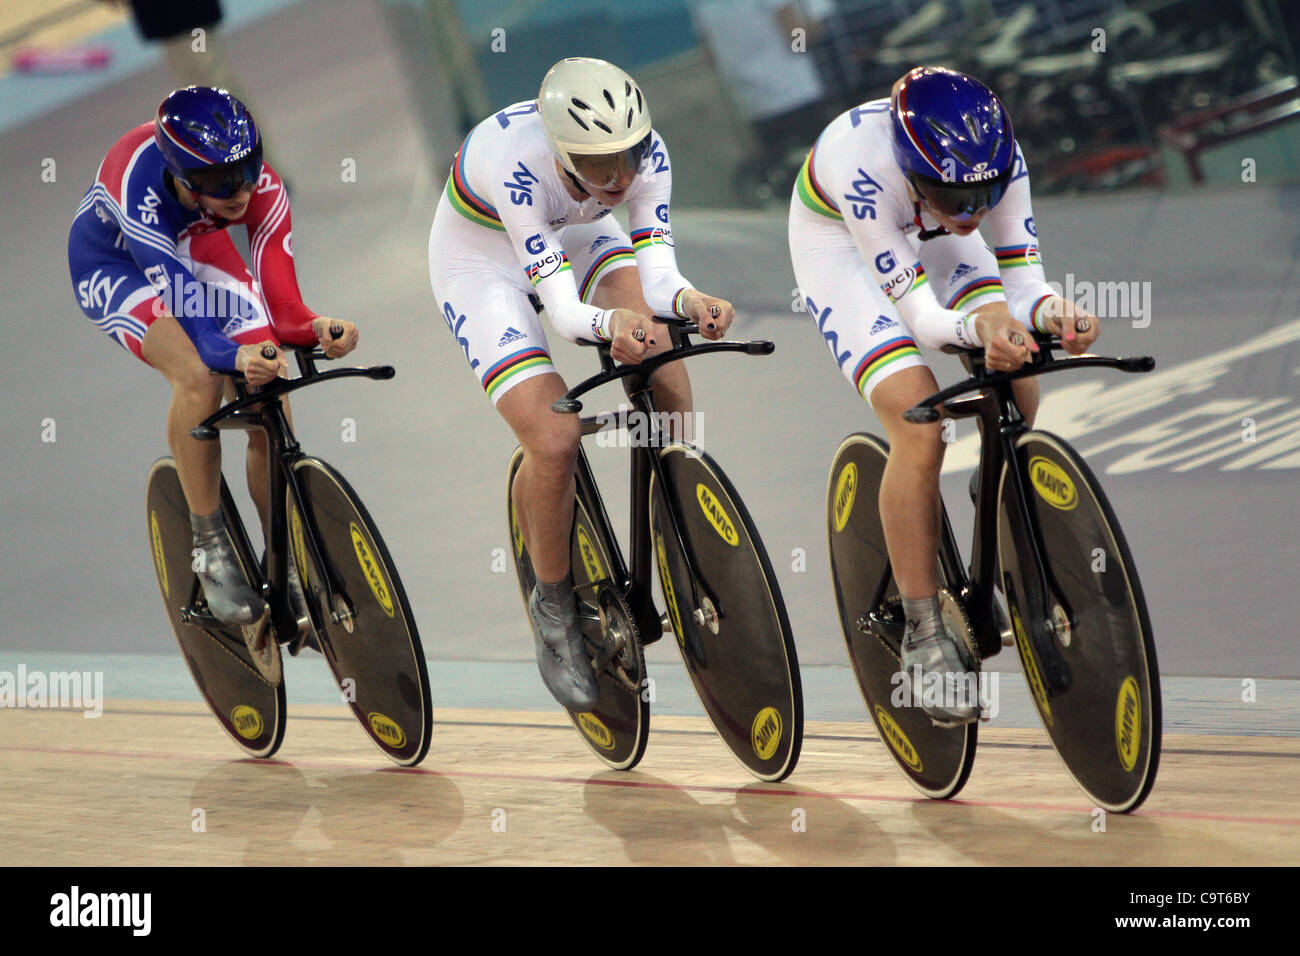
(336, 331)
(1142, 363)
(759, 348)
(381, 373)
(203, 433)
(269, 352)
(921, 415)
(566, 406)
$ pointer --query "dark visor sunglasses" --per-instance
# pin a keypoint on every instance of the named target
(222, 182)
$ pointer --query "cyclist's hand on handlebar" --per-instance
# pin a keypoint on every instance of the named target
(1077, 327)
(256, 368)
(335, 346)
(632, 335)
(1007, 344)
(713, 315)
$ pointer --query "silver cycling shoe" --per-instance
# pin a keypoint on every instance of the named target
(562, 654)
(936, 653)
(230, 597)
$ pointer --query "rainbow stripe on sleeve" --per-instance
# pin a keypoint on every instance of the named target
(642, 238)
(812, 193)
(1011, 256)
(464, 200)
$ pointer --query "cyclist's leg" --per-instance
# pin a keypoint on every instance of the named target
(234, 298)
(877, 353)
(603, 261)
(544, 483)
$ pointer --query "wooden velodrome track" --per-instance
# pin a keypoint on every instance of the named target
(152, 783)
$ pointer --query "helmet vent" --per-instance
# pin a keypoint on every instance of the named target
(579, 104)
(599, 124)
(639, 106)
(973, 127)
(578, 119)
(609, 98)
(629, 118)
(627, 88)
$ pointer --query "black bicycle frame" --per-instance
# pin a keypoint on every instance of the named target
(644, 462)
(263, 410)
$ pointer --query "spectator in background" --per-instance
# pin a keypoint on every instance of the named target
(778, 91)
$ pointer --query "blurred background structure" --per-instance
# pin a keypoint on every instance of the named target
(1104, 93)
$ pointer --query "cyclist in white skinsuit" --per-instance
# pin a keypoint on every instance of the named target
(527, 211)
(885, 250)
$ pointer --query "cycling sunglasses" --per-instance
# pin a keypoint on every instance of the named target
(223, 182)
(603, 171)
(961, 202)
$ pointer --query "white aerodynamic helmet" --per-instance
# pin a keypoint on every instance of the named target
(595, 118)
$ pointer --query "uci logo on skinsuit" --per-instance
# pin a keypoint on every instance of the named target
(1128, 722)
(1052, 483)
(387, 730)
(596, 731)
(371, 569)
(247, 722)
(765, 733)
(897, 739)
(845, 489)
(717, 517)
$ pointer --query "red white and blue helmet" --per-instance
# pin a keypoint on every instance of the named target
(208, 140)
(952, 139)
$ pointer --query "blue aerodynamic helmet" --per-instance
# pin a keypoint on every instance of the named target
(208, 140)
(952, 139)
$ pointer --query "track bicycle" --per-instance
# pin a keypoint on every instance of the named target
(1047, 537)
(724, 603)
(359, 617)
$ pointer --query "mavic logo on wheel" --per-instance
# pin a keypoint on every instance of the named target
(247, 722)
(893, 733)
(516, 535)
(1032, 674)
(386, 729)
(845, 489)
(160, 562)
(590, 560)
(1052, 483)
(596, 731)
(371, 569)
(717, 516)
(1128, 721)
(666, 582)
(299, 546)
(765, 733)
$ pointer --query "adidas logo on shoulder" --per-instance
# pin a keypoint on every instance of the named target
(882, 323)
(512, 335)
(961, 271)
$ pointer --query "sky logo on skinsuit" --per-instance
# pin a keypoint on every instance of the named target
(831, 337)
(454, 322)
(863, 198)
(521, 185)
